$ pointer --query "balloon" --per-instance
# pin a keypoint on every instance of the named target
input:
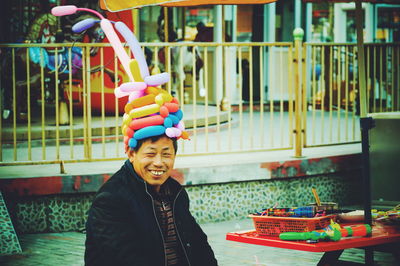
(173, 132)
(172, 107)
(132, 143)
(119, 94)
(149, 132)
(84, 25)
(135, 94)
(125, 120)
(139, 102)
(135, 70)
(129, 132)
(134, 45)
(178, 132)
(117, 46)
(63, 10)
(175, 100)
(167, 122)
(143, 111)
(164, 111)
(152, 90)
(181, 125)
(159, 99)
(126, 140)
(174, 119)
(132, 86)
(167, 97)
(147, 121)
(124, 126)
(178, 114)
(185, 135)
(158, 79)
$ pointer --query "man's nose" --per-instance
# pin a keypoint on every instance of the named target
(157, 160)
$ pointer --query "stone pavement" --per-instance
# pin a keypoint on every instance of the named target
(68, 249)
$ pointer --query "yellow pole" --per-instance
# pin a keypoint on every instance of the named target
(361, 61)
(298, 34)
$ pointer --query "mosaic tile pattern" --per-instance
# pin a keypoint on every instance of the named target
(57, 213)
(222, 202)
(68, 213)
(9, 243)
(208, 203)
(30, 215)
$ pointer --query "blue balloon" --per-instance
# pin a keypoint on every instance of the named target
(178, 114)
(83, 25)
(174, 118)
(168, 122)
(132, 143)
(149, 131)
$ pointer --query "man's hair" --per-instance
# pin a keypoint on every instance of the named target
(154, 139)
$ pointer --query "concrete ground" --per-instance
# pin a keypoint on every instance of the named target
(68, 249)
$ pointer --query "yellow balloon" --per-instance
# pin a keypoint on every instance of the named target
(159, 99)
(145, 110)
(152, 90)
(139, 102)
(135, 70)
(124, 129)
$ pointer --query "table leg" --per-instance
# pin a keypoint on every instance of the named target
(330, 258)
(369, 256)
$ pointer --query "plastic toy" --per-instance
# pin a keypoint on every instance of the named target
(333, 233)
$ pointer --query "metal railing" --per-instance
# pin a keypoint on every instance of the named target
(242, 99)
(333, 89)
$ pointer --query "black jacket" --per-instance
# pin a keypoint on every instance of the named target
(122, 228)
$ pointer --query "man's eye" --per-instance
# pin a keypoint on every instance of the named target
(167, 154)
(150, 154)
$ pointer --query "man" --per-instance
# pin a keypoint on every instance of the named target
(141, 216)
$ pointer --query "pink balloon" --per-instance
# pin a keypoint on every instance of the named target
(117, 45)
(119, 94)
(158, 79)
(170, 133)
(173, 132)
(63, 10)
(133, 86)
(135, 94)
(178, 132)
(181, 125)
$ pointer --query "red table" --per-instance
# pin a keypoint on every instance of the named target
(380, 237)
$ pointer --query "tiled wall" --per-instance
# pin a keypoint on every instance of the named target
(237, 200)
(209, 203)
(9, 243)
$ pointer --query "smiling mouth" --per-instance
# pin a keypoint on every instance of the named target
(156, 173)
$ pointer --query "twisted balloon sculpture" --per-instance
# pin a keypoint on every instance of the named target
(151, 111)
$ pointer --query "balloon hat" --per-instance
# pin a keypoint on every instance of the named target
(150, 111)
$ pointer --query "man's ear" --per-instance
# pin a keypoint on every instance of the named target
(131, 155)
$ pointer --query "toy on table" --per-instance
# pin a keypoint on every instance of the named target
(334, 232)
(391, 216)
(307, 211)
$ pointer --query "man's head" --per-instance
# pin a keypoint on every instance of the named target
(153, 159)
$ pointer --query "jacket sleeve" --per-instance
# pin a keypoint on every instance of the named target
(109, 234)
(198, 243)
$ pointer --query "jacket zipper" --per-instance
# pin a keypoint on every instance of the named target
(177, 231)
(158, 224)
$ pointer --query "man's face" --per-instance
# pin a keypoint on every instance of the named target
(154, 161)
